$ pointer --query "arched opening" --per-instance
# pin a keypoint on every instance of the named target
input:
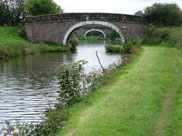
(95, 30)
(78, 25)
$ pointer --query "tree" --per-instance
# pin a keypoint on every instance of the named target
(11, 12)
(2, 13)
(139, 13)
(163, 14)
(40, 7)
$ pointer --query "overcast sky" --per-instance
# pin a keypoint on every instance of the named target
(110, 6)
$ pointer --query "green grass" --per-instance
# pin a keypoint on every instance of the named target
(143, 99)
(12, 45)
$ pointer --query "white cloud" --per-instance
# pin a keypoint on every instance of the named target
(109, 6)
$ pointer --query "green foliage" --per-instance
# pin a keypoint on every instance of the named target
(114, 48)
(113, 35)
(125, 48)
(49, 126)
(156, 36)
(40, 7)
(71, 84)
(73, 42)
(139, 13)
(163, 14)
(128, 46)
(12, 12)
(175, 37)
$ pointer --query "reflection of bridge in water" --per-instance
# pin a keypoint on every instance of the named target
(59, 27)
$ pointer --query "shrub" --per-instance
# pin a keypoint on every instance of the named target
(113, 48)
(71, 87)
(128, 46)
(73, 42)
(156, 36)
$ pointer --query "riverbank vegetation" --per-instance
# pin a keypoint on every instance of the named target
(12, 45)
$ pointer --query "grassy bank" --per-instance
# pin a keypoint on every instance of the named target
(12, 45)
(143, 99)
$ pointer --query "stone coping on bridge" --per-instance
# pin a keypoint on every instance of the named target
(66, 17)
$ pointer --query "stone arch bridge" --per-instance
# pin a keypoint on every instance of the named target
(59, 27)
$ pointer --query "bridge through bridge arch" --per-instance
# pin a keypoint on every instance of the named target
(85, 23)
(58, 27)
(95, 30)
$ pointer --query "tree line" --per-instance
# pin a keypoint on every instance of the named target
(13, 12)
(162, 14)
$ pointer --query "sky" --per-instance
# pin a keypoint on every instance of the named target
(110, 6)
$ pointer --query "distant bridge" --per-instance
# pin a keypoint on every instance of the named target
(59, 27)
(83, 31)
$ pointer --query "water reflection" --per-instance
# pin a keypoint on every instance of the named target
(28, 83)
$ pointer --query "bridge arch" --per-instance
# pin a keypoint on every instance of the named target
(93, 30)
(78, 25)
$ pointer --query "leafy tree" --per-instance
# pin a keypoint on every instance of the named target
(11, 12)
(139, 13)
(163, 14)
(40, 7)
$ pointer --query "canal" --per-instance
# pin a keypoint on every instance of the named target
(28, 83)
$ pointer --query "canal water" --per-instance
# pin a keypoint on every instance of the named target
(28, 83)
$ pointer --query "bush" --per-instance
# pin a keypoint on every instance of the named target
(163, 14)
(71, 89)
(156, 36)
(73, 42)
(113, 48)
(128, 46)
